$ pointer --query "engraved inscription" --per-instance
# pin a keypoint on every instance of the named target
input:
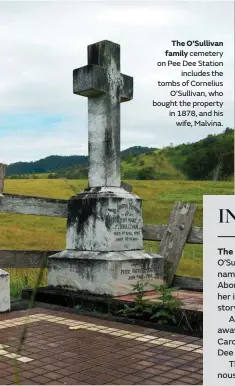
(125, 223)
(138, 272)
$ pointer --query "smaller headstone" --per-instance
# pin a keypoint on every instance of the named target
(5, 303)
(2, 177)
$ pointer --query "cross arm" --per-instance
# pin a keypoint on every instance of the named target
(126, 91)
(89, 81)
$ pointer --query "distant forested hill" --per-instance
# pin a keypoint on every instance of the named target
(211, 158)
(54, 163)
(46, 165)
(135, 150)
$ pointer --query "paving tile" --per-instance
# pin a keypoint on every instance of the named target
(67, 371)
(161, 380)
(4, 381)
(38, 370)
(136, 366)
(53, 375)
(68, 381)
(149, 382)
(25, 366)
(26, 375)
(188, 380)
(122, 381)
(41, 379)
(190, 368)
(196, 376)
(145, 363)
(80, 377)
(105, 378)
(102, 352)
(143, 374)
(4, 373)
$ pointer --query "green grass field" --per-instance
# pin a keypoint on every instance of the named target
(21, 232)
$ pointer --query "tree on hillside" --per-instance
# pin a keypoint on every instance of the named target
(147, 173)
(213, 159)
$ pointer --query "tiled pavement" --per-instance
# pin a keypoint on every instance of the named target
(192, 300)
(63, 348)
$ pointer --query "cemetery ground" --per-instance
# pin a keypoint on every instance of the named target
(63, 348)
(23, 232)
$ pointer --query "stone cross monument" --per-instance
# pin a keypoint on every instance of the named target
(105, 87)
(104, 252)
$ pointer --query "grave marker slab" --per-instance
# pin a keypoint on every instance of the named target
(104, 252)
(4, 276)
(5, 304)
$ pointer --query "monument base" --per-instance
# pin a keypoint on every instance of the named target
(110, 273)
(5, 303)
(104, 219)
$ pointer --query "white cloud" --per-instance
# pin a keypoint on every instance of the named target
(143, 16)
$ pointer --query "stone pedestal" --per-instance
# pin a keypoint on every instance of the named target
(104, 219)
(111, 273)
(104, 252)
(5, 303)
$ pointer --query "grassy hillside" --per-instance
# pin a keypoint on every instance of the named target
(150, 166)
(43, 233)
(135, 151)
(211, 158)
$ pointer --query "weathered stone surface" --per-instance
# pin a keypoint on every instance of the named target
(105, 87)
(126, 186)
(104, 252)
(4, 291)
(111, 273)
(89, 81)
(104, 219)
(127, 88)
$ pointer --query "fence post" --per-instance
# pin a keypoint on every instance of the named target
(2, 177)
(175, 237)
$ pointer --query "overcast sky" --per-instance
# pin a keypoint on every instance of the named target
(42, 42)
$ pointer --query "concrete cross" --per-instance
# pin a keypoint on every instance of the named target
(105, 87)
